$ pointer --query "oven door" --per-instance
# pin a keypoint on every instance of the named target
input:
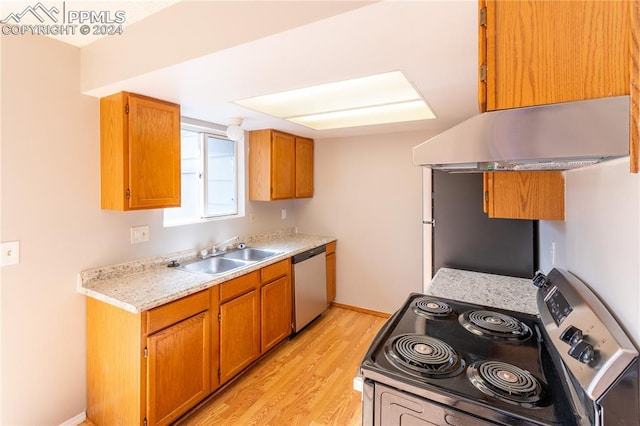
(387, 406)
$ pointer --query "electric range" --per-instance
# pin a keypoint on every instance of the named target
(439, 361)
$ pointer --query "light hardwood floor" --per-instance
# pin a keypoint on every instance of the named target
(305, 381)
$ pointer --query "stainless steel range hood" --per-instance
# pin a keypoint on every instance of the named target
(550, 137)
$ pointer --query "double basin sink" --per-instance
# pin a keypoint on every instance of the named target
(229, 261)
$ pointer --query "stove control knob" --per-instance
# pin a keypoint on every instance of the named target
(571, 335)
(583, 352)
(540, 280)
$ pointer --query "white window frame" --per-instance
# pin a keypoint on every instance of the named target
(206, 129)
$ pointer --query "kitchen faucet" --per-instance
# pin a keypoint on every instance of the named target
(223, 246)
(218, 248)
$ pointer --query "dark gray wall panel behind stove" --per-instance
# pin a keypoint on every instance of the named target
(465, 238)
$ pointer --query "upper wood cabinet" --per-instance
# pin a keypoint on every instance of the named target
(276, 170)
(304, 167)
(524, 195)
(537, 52)
(139, 152)
(541, 52)
(634, 145)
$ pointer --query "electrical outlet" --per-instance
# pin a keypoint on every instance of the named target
(283, 213)
(139, 234)
(553, 253)
(10, 253)
(252, 218)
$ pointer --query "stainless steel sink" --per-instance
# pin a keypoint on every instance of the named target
(213, 265)
(250, 254)
(227, 262)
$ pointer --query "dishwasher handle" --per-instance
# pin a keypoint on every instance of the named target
(308, 254)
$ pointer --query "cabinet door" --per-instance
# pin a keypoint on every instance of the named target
(154, 153)
(276, 312)
(304, 167)
(239, 334)
(541, 52)
(178, 368)
(524, 195)
(283, 167)
(331, 277)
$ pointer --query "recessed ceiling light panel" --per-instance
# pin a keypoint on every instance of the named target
(381, 114)
(376, 99)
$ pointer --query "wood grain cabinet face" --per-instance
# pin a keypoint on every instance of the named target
(275, 304)
(178, 368)
(331, 272)
(152, 366)
(239, 331)
(304, 167)
(275, 312)
(524, 195)
(139, 152)
(276, 171)
(542, 52)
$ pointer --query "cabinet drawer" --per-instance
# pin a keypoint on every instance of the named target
(239, 286)
(171, 313)
(276, 270)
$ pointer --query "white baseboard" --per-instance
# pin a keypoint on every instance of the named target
(75, 420)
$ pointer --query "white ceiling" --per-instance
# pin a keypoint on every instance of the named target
(433, 42)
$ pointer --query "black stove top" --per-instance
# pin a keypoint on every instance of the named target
(484, 361)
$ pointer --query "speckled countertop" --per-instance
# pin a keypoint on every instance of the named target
(498, 291)
(145, 284)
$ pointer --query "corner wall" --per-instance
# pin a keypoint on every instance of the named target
(369, 195)
(599, 241)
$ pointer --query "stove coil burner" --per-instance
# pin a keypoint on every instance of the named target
(506, 382)
(431, 309)
(424, 356)
(496, 325)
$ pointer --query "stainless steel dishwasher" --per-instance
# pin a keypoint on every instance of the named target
(310, 286)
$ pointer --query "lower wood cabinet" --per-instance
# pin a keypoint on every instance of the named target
(152, 367)
(331, 271)
(178, 368)
(149, 368)
(239, 324)
(276, 305)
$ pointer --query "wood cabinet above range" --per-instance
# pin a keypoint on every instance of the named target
(139, 152)
(535, 52)
(542, 52)
(280, 166)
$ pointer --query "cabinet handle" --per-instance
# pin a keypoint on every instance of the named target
(486, 196)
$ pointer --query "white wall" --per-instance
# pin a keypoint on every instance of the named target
(51, 204)
(599, 241)
(368, 195)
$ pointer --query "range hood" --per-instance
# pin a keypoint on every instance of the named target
(550, 137)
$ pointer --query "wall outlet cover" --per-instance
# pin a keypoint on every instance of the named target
(139, 234)
(10, 253)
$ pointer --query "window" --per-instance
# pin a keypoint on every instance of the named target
(211, 183)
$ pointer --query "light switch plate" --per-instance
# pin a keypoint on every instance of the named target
(10, 253)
